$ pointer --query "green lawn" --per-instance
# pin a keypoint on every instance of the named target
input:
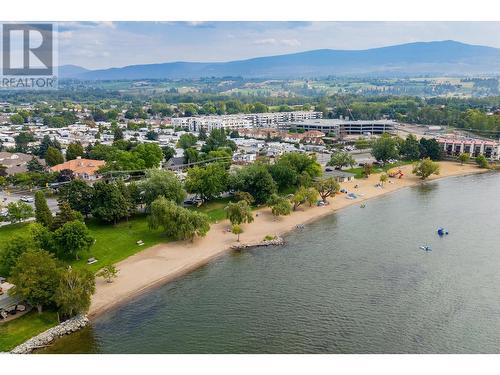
(358, 171)
(21, 329)
(117, 242)
(214, 209)
(7, 231)
(113, 242)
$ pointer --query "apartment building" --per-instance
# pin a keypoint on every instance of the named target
(243, 121)
(344, 126)
(472, 146)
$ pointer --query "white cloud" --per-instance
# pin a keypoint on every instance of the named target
(278, 42)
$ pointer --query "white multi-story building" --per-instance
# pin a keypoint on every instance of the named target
(273, 119)
(194, 124)
(347, 127)
(243, 121)
(472, 146)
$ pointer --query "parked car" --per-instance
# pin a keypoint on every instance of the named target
(26, 199)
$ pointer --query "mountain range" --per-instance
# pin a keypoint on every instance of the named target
(420, 58)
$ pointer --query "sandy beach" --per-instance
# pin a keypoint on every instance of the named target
(162, 263)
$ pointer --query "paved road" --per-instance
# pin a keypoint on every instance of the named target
(6, 198)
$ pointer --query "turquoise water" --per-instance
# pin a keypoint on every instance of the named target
(355, 282)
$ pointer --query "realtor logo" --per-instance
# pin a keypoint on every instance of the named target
(28, 56)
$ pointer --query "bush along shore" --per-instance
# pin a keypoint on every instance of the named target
(46, 338)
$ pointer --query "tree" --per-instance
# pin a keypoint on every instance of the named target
(217, 139)
(311, 196)
(202, 134)
(65, 215)
(22, 140)
(17, 119)
(236, 229)
(35, 277)
(45, 144)
(244, 196)
(327, 187)
(186, 141)
(162, 184)
(118, 134)
(108, 272)
(74, 291)
(150, 153)
(18, 211)
(41, 237)
(303, 195)
(168, 152)
(11, 251)
(482, 162)
(280, 206)
(207, 182)
(65, 175)
(177, 222)
(255, 180)
(74, 150)
(152, 135)
(425, 168)
(341, 160)
(53, 157)
(302, 163)
(79, 196)
(191, 155)
(109, 204)
(283, 174)
(385, 148)
(367, 169)
(239, 213)
(42, 211)
(35, 166)
(463, 157)
(383, 179)
(72, 239)
(430, 148)
(410, 148)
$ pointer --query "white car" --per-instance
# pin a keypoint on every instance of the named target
(27, 199)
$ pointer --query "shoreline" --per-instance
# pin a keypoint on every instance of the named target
(166, 262)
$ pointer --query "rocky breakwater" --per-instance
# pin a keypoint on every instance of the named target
(277, 241)
(46, 338)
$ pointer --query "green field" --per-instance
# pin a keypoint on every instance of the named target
(113, 242)
(358, 171)
(21, 329)
(214, 209)
(117, 242)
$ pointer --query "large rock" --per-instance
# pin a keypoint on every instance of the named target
(71, 325)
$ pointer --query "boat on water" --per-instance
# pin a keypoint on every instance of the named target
(425, 248)
(442, 231)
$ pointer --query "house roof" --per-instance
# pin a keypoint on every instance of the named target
(80, 166)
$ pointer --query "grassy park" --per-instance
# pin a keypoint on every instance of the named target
(19, 330)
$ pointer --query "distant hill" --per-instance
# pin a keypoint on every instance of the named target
(67, 71)
(440, 57)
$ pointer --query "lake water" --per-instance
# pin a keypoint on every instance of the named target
(355, 282)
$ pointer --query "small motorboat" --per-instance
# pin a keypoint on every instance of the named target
(442, 231)
(425, 248)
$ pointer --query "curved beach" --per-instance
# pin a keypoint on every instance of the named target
(162, 263)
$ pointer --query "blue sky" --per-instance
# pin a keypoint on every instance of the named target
(115, 44)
